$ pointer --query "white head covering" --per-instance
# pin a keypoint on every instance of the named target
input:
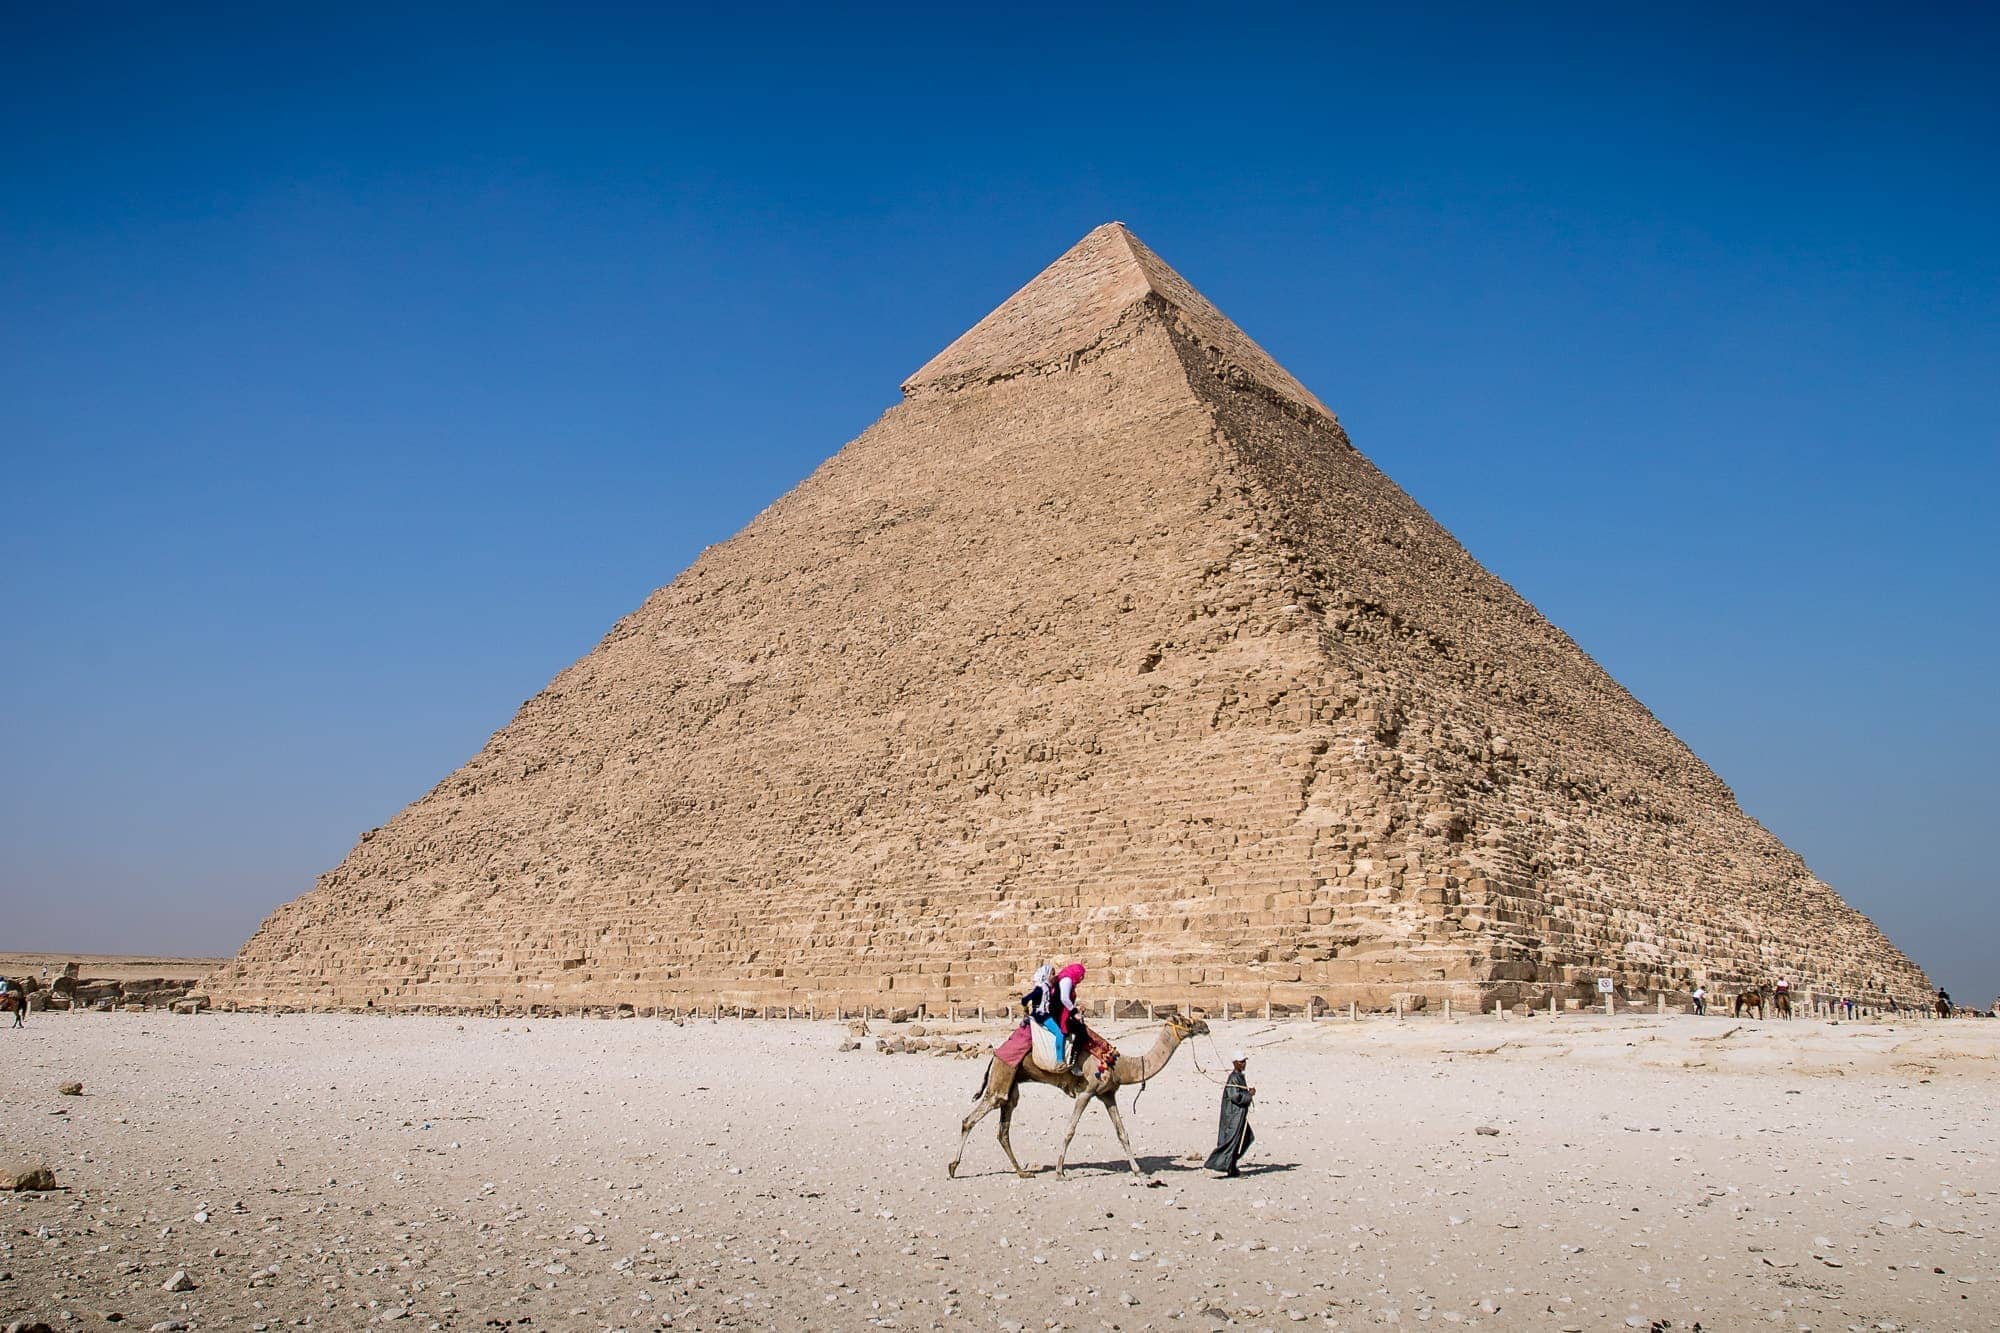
(1043, 973)
(1238, 1058)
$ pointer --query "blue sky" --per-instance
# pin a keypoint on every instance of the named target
(358, 369)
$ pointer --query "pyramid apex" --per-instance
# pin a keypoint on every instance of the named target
(1075, 303)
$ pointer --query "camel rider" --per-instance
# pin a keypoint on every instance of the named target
(1040, 1004)
(1068, 1020)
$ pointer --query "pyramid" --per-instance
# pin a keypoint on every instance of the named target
(1103, 643)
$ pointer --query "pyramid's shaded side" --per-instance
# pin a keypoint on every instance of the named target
(1556, 829)
(1104, 643)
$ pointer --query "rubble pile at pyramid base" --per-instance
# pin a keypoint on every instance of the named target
(1103, 644)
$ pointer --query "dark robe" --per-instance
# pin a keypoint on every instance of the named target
(1232, 1136)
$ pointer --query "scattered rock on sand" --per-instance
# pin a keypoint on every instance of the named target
(180, 1281)
(28, 1178)
(70, 1088)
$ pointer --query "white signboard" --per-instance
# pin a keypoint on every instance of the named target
(1604, 986)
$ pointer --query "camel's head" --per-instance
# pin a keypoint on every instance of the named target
(1186, 1025)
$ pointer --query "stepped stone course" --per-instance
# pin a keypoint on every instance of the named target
(1104, 643)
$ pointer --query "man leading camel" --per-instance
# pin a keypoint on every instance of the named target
(1232, 1135)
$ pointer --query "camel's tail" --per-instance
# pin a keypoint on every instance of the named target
(985, 1078)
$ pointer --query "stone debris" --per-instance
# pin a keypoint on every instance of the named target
(28, 1178)
(70, 1088)
(1108, 624)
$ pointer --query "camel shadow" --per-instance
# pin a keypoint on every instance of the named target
(1155, 1166)
(1152, 1166)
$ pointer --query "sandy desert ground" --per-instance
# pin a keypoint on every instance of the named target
(335, 1172)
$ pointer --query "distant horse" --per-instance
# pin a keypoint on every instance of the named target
(1943, 1007)
(1781, 1003)
(1750, 999)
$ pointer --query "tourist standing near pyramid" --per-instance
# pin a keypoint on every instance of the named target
(1106, 640)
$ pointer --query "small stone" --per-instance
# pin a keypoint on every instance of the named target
(180, 1281)
(1488, 1131)
(69, 1088)
(28, 1178)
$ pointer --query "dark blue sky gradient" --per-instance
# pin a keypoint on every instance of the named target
(358, 370)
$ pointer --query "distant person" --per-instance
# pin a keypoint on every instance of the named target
(1232, 1135)
(1700, 1000)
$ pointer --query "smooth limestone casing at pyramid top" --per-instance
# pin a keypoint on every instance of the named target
(1105, 644)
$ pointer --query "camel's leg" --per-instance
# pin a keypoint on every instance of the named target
(986, 1105)
(1110, 1100)
(1082, 1100)
(1007, 1123)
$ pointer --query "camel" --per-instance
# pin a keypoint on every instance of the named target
(14, 1002)
(1001, 1091)
(1751, 999)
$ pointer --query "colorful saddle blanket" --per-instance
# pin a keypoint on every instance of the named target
(1010, 1051)
(1033, 1038)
